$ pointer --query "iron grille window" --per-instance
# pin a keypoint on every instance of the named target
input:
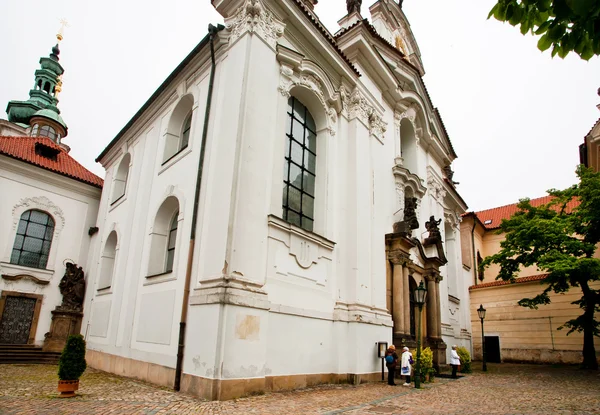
(299, 167)
(171, 243)
(33, 240)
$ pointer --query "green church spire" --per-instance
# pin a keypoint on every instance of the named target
(40, 111)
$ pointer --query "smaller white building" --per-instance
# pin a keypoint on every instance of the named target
(49, 203)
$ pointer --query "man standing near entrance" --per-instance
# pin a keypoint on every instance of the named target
(391, 361)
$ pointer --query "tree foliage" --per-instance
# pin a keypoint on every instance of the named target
(72, 364)
(560, 242)
(566, 25)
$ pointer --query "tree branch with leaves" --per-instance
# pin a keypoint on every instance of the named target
(566, 25)
(559, 238)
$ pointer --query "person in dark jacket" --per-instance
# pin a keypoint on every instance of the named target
(391, 351)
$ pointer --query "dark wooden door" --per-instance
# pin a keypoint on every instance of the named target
(492, 349)
(16, 321)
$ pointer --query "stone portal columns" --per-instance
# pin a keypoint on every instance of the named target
(398, 248)
(406, 295)
(434, 322)
(398, 298)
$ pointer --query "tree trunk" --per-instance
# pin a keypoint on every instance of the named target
(589, 351)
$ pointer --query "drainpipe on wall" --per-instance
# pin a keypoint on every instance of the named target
(473, 249)
(212, 31)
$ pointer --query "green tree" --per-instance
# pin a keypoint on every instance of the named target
(566, 25)
(560, 242)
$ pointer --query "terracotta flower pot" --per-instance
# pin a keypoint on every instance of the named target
(67, 388)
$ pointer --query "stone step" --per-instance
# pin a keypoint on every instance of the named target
(26, 353)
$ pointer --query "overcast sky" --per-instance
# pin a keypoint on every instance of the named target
(514, 115)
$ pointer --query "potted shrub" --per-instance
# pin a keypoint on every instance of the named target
(71, 366)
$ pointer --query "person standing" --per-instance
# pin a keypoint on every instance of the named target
(405, 367)
(391, 361)
(454, 361)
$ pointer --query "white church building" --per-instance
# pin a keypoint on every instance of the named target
(269, 211)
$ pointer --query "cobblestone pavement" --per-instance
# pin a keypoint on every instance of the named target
(504, 389)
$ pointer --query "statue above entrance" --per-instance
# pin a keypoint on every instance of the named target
(410, 221)
(434, 232)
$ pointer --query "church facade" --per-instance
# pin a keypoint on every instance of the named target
(268, 213)
(49, 203)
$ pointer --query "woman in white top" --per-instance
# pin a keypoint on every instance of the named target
(454, 360)
(405, 366)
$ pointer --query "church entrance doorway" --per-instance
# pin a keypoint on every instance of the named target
(492, 349)
(19, 314)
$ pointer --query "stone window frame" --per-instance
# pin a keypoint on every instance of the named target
(49, 225)
(45, 205)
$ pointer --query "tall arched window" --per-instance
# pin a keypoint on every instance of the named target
(171, 243)
(185, 133)
(177, 136)
(120, 178)
(33, 239)
(163, 238)
(107, 261)
(299, 169)
(408, 146)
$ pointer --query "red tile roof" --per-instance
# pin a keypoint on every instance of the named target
(23, 148)
(492, 218)
(521, 280)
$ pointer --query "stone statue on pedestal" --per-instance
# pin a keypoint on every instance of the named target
(72, 288)
(353, 6)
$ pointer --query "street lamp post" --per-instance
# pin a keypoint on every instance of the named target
(420, 294)
(481, 313)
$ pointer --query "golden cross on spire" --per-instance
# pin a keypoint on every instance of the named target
(63, 25)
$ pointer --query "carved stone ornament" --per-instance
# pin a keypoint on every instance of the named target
(253, 17)
(435, 187)
(290, 79)
(41, 203)
(72, 288)
(453, 219)
(357, 106)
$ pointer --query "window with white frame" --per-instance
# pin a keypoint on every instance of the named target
(171, 243)
(33, 239)
(163, 238)
(120, 179)
(177, 136)
(107, 261)
(299, 170)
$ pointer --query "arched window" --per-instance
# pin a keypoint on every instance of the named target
(299, 170)
(39, 84)
(408, 146)
(163, 238)
(33, 239)
(47, 131)
(34, 130)
(179, 129)
(47, 87)
(171, 243)
(107, 261)
(120, 180)
(185, 133)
